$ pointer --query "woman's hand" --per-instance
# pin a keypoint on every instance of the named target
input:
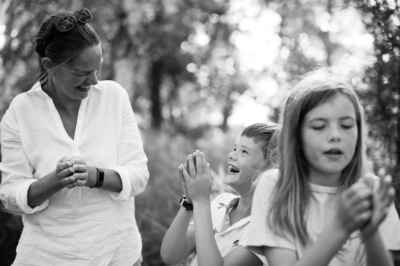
(381, 199)
(81, 171)
(197, 179)
(65, 171)
(354, 208)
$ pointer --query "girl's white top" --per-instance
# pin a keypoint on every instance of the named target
(79, 226)
(321, 209)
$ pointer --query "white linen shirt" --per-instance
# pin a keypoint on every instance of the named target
(79, 226)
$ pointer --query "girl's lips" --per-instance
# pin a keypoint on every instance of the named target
(333, 152)
(333, 156)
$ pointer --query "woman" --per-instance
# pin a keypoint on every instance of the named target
(73, 157)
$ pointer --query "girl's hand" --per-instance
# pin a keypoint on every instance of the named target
(354, 208)
(198, 178)
(65, 173)
(81, 171)
(381, 199)
(183, 183)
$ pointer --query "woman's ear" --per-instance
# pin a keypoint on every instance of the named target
(47, 63)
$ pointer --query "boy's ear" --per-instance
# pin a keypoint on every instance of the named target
(47, 63)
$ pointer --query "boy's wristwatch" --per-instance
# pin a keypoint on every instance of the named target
(188, 206)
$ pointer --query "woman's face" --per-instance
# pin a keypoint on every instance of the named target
(73, 80)
(329, 138)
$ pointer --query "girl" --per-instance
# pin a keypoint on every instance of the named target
(322, 210)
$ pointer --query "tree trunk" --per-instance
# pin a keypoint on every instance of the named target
(155, 79)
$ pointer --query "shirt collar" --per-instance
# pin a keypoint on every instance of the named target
(37, 88)
(233, 203)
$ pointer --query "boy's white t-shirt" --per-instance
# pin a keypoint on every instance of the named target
(321, 210)
(235, 234)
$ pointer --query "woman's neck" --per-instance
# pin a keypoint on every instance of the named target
(61, 102)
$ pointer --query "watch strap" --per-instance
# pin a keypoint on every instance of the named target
(184, 203)
(100, 178)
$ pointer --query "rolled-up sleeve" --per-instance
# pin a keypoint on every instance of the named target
(16, 171)
(132, 166)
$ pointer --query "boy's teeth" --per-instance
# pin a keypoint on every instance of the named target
(233, 169)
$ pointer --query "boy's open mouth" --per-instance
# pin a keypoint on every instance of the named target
(233, 169)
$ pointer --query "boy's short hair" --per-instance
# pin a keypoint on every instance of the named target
(265, 135)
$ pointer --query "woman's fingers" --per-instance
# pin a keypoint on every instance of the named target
(77, 160)
(81, 182)
(68, 182)
(62, 164)
(66, 172)
(79, 168)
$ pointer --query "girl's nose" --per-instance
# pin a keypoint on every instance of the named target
(335, 134)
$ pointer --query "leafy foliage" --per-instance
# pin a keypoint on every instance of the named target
(181, 65)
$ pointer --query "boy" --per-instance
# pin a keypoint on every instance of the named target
(220, 228)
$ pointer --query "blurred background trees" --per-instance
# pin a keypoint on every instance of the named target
(198, 71)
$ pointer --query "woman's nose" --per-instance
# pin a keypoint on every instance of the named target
(92, 79)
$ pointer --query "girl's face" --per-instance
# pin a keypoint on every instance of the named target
(244, 162)
(73, 80)
(328, 139)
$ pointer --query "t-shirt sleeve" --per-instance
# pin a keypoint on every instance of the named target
(390, 229)
(260, 234)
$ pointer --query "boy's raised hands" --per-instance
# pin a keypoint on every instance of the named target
(196, 177)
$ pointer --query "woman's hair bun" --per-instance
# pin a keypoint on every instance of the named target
(43, 38)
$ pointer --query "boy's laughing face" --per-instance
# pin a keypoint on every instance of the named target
(244, 162)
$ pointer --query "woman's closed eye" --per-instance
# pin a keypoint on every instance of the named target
(84, 74)
(80, 74)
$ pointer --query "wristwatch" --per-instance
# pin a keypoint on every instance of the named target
(185, 204)
(100, 178)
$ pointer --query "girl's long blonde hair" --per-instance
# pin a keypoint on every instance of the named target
(289, 202)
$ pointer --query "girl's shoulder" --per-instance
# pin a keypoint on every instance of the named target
(268, 178)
